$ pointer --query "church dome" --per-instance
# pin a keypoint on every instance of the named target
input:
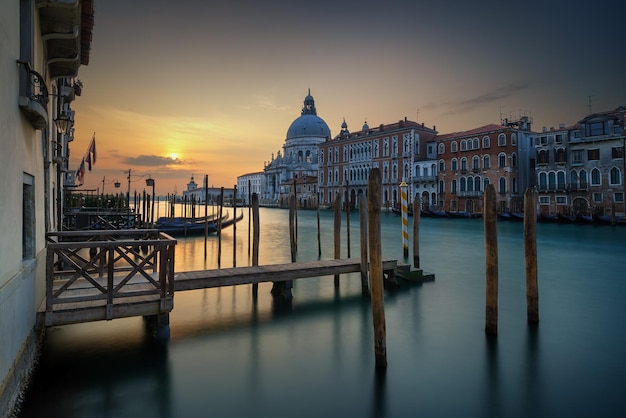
(308, 124)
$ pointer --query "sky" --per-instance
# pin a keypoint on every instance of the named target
(181, 88)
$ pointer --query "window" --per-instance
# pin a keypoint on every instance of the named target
(502, 160)
(476, 163)
(463, 164)
(376, 149)
(595, 177)
(454, 164)
(542, 156)
(463, 145)
(514, 160)
(544, 200)
(597, 197)
(615, 177)
(560, 180)
(552, 180)
(386, 147)
(453, 146)
(502, 185)
(595, 129)
(513, 139)
(477, 184)
(560, 156)
(617, 152)
(441, 186)
(583, 179)
(321, 156)
(308, 156)
(561, 200)
(28, 217)
(573, 179)
(486, 142)
(476, 143)
(558, 138)
(462, 184)
(486, 162)
(442, 165)
(593, 154)
(577, 156)
(453, 187)
(485, 183)
(543, 181)
(618, 197)
(502, 140)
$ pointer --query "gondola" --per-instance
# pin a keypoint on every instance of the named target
(189, 228)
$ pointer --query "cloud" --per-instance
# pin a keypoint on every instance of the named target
(498, 94)
(152, 161)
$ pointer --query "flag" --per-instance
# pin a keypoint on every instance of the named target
(88, 160)
(80, 173)
(92, 148)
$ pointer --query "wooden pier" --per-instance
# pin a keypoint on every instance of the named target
(103, 275)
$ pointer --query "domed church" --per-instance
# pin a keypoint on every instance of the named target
(299, 157)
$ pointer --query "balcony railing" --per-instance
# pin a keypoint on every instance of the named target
(33, 100)
(474, 193)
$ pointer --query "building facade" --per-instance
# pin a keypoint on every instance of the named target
(200, 193)
(347, 159)
(42, 46)
(248, 184)
(299, 157)
(491, 154)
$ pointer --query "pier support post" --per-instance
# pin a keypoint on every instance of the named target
(255, 239)
(491, 261)
(376, 268)
(337, 231)
(158, 326)
(405, 219)
(530, 255)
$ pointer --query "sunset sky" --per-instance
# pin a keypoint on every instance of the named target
(186, 87)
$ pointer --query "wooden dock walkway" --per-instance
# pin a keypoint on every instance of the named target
(103, 275)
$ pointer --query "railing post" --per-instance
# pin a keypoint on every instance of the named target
(49, 288)
(110, 285)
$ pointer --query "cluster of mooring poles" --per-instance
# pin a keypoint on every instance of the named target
(491, 258)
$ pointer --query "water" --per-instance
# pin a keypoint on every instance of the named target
(230, 356)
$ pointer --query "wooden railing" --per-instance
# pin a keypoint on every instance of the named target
(97, 270)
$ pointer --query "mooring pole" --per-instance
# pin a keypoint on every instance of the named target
(235, 225)
(337, 231)
(363, 236)
(348, 217)
(319, 241)
(491, 264)
(255, 239)
(219, 229)
(376, 268)
(417, 216)
(405, 219)
(530, 255)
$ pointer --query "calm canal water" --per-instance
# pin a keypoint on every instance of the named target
(230, 356)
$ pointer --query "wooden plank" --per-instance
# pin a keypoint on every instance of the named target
(203, 279)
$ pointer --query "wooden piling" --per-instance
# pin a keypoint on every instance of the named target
(319, 241)
(337, 231)
(491, 263)
(376, 268)
(348, 218)
(292, 227)
(206, 219)
(235, 226)
(219, 229)
(255, 238)
(363, 236)
(417, 216)
(530, 255)
(249, 213)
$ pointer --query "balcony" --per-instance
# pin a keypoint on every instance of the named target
(33, 101)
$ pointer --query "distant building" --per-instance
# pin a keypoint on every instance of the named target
(306, 192)
(491, 154)
(300, 152)
(397, 149)
(199, 194)
(248, 184)
(580, 169)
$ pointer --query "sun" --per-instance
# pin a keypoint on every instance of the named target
(173, 155)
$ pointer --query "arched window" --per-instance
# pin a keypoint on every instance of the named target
(425, 171)
(441, 186)
(543, 181)
(442, 165)
(486, 162)
(552, 180)
(514, 160)
(513, 139)
(476, 143)
(596, 178)
(486, 142)
(502, 160)
(308, 156)
(441, 148)
(485, 183)
(300, 159)
(477, 184)
(560, 180)
(502, 185)
(463, 145)
(502, 140)
(407, 171)
(470, 184)
(463, 164)
(615, 177)
(454, 164)
(454, 146)
(453, 187)
(463, 184)
(476, 163)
